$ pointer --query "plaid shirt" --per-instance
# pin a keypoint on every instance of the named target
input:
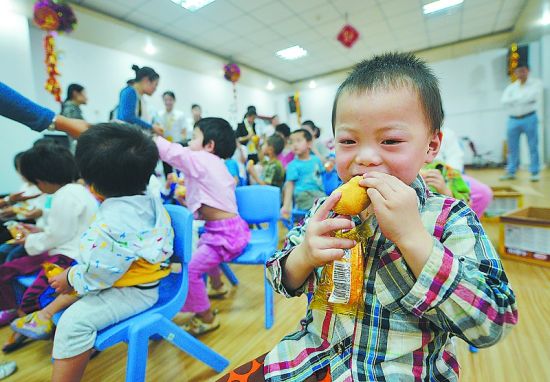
(404, 333)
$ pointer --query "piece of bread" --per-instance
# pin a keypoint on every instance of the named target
(354, 198)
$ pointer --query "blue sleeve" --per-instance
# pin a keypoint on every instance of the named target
(21, 109)
(127, 108)
(292, 172)
(232, 167)
(320, 163)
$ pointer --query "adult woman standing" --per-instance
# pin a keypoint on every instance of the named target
(130, 106)
(76, 96)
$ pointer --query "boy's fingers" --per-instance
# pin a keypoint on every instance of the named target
(331, 254)
(375, 196)
(326, 207)
(335, 243)
(336, 224)
(383, 188)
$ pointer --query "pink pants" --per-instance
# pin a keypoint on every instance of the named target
(481, 195)
(222, 241)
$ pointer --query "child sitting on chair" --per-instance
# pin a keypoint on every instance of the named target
(122, 252)
(211, 197)
(303, 175)
(53, 170)
(430, 272)
(272, 172)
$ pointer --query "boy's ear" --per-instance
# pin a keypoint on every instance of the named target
(210, 146)
(434, 146)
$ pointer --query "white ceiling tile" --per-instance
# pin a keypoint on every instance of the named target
(305, 37)
(248, 5)
(321, 15)
(406, 19)
(243, 25)
(217, 36)
(108, 7)
(297, 6)
(352, 6)
(396, 7)
(145, 21)
(364, 18)
(219, 12)
(330, 29)
(271, 13)
(193, 23)
(166, 11)
(477, 10)
(290, 25)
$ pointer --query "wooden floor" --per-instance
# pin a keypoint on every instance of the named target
(522, 356)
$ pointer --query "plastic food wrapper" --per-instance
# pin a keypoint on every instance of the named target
(340, 288)
(16, 230)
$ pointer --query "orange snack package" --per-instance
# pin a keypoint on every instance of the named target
(340, 288)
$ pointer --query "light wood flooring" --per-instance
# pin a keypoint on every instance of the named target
(524, 355)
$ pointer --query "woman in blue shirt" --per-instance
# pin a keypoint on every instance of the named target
(130, 105)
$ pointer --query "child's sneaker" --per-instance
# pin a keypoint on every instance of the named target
(33, 327)
(7, 316)
(7, 368)
(216, 293)
(197, 327)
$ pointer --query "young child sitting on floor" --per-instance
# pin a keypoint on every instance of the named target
(272, 170)
(123, 253)
(53, 170)
(211, 197)
(303, 175)
(430, 271)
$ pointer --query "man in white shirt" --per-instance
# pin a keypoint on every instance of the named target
(521, 97)
(173, 122)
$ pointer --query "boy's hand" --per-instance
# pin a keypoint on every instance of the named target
(319, 245)
(396, 209)
(395, 206)
(31, 228)
(60, 283)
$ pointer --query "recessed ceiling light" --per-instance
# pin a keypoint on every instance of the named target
(192, 5)
(440, 5)
(292, 53)
(312, 84)
(149, 48)
(270, 85)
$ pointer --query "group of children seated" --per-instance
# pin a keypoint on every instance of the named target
(429, 274)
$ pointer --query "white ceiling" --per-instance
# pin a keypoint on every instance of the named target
(251, 31)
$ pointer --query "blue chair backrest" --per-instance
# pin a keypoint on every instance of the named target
(260, 204)
(173, 288)
(331, 181)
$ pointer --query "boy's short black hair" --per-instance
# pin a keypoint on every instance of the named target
(277, 142)
(307, 134)
(17, 159)
(394, 71)
(219, 131)
(195, 106)
(49, 163)
(282, 128)
(169, 93)
(117, 159)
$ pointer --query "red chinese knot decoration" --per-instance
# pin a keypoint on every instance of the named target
(348, 36)
(53, 16)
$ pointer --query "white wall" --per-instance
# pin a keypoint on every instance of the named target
(104, 72)
(471, 88)
(16, 71)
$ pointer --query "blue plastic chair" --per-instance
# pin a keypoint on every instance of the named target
(258, 204)
(156, 321)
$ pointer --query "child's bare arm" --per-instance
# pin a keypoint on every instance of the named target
(252, 172)
(319, 246)
(288, 191)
